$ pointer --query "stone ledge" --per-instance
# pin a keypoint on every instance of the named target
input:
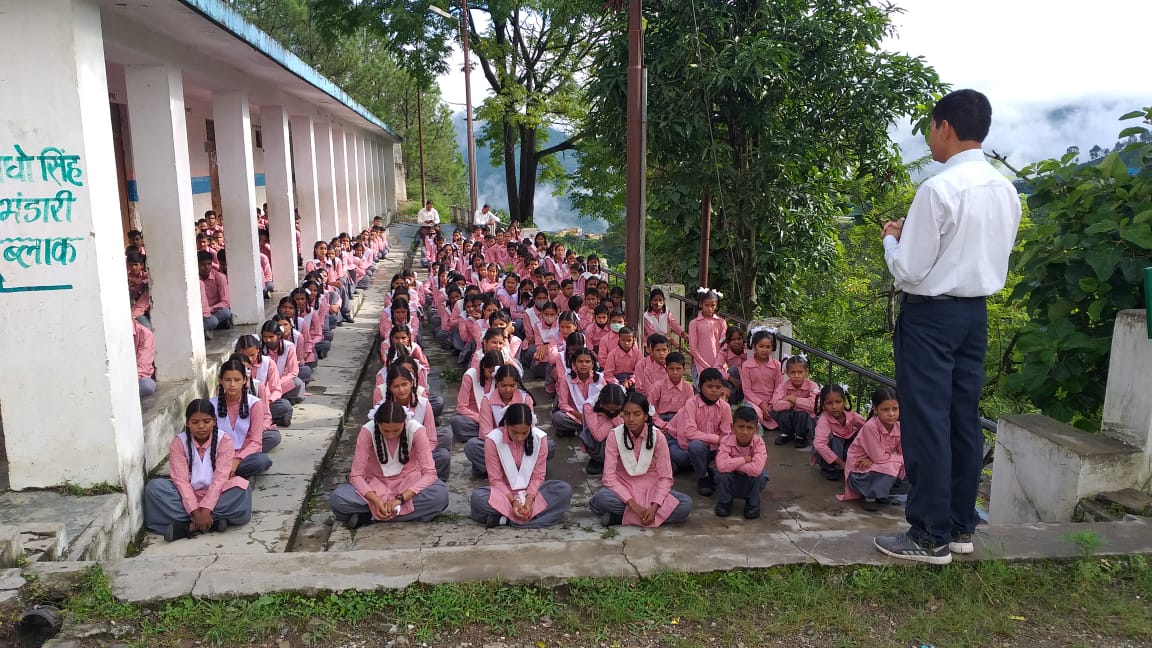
(647, 553)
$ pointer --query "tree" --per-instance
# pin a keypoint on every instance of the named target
(369, 73)
(533, 55)
(1081, 264)
(780, 111)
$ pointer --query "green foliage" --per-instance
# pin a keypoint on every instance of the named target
(103, 488)
(778, 111)
(378, 73)
(1081, 264)
(92, 599)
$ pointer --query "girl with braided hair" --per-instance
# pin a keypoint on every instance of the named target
(638, 473)
(201, 494)
(393, 476)
(241, 415)
(517, 494)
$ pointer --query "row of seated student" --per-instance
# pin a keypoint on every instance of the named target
(226, 438)
(345, 263)
(401, 460)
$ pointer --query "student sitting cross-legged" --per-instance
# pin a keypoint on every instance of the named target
(215, 302)
(517, 494)
(243, 416)
(393, 476)
(202, 494)
(638, 474)
(740, 466)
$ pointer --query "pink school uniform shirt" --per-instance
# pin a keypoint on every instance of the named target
(498, 480)
(145, 350)
(619, 361)
(647, 374)
(599, 424)
(879, 445)
(287, 365)
(828, 426)
(652, 486)
(806, 395)
(564, 399)
(214, 293)
(466, 404)
(181, 472)
(662, 323)
(699, 421)
(667, 397)
(759, 381)
(492, 408)
(732, 457)
(265, 267)
(705, 335)
(416, 475)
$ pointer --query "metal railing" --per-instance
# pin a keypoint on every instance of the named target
(863, 375)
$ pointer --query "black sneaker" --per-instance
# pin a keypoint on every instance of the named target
(611, 519)
(723, 509)
(177, 531)
(781, 439)
(905, 547)
(962, 544)
(219, 525)
(705, 487)
(870, 504)
(492, 521)
(356, 520)
(801, 442)
(751, 512)
(594, 467)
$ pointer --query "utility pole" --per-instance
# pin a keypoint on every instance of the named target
(637, 166)
(420, 136)
(472, 191)
(705, 236)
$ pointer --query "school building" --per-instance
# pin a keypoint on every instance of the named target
(129, 114)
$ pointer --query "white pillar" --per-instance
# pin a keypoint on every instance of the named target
(340, 140)
(326, 181)
(373, 176)
(70, 395)
(388, 161)
(307, 191)
(278, 175)
(233, 121)
(356, 170)
(160, 157)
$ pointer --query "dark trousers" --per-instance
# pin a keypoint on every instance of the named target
(939, 350)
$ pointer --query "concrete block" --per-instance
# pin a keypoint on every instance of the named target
(309, 572)
(1128, 401)
(1042, 468)
(11, 547)
(1129, 500)
(156, 578)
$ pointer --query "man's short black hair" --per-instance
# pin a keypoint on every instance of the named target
(203, 256)
(968, 111)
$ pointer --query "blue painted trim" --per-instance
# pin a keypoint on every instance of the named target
(227, 18)
(130, 189)
(201, 185)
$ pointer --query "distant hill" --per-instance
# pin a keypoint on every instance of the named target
(552, 212)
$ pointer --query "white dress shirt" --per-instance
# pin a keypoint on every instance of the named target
(486, 219)
(959, 232)
(428, 217)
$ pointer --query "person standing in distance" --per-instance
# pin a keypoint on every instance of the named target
(947, 257)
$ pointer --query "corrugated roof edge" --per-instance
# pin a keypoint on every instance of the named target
(231, 21)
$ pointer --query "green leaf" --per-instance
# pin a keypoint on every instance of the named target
(1104, 260)
(1141, 235)
(1133, 130)
(1088, 284)
(1131, 115)
(1100, 228)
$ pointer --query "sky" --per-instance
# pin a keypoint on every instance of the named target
(1057, 72)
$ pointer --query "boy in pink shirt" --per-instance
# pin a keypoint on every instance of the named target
(215, 302)
(621, 360)
(651, 369)
(145, 357)
(740, 466)
(698, 429)
(669, 395)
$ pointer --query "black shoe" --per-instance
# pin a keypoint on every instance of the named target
(723, 509)
(594, 467)
(705, 487)
(905, 547)
(493, 521)
(476, 474)
(801, 442)
(870, 504)
(348, 319)
(611, 519)
(208, 335)
(219, 525)
(781, 439)
(177, 531)
(751, 512)
(283, 421)
(357, 520)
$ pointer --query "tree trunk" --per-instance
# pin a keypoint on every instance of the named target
(528, 166)
(510, 179)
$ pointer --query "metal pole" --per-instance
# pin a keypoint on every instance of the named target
(1148, 299)
(705, 235)
(420, 131)
(637, 163)
(472, 191)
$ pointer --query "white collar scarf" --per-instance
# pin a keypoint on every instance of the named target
(519, 476)
(392, 466)
(634, 465)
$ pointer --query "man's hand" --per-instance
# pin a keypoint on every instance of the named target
(893, 228)
(201, 520)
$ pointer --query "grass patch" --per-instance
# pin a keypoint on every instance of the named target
(103, 488)
(451, 375)
(1085, 601)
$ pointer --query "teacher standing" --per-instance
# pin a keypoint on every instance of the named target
(947, 257)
